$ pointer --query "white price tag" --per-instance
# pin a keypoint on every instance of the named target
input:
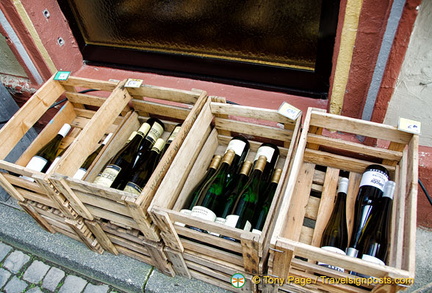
(134, 83)
(289, 111)
(410, 126)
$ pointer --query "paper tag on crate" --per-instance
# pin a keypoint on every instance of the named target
(134, 83)
(289, 111)
(410, 126)
(62, 75)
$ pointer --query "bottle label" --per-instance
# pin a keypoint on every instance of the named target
(333, 249)
(237, 146)
(107, 177)
(256, 231)
(231, 220)
(265, 151)
(80, 174)
(155, 132)
(203, 213)
(374, 178)
(37, 163)
(133, 188)
(186, 212)
(372, 259)
(144, 129)
(174, 134)
(220, 221)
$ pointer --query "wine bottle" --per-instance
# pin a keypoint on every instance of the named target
(375, 239)
(56, 160)
(145, 168)
(271, 152)
(244, 209)
(240, 146)
(170, 139)
(157, 128)
(42, 160)
(193, 196)
(261, 214)
(119, 166)
(371, 188)
(335, 234)
(210, 203)
(89, 160)
(235, 191)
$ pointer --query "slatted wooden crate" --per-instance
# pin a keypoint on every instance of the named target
(88, 126)
(100, 205)
(328, 144)
(201, 255)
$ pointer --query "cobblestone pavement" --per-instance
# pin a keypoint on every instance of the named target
(23, 272)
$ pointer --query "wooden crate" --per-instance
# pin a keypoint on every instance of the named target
(88, 125)
(201, 255)
(100, 205)
(53, 220)
(328, 144)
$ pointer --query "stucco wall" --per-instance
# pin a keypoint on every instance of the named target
(412, 97)
(8, 63)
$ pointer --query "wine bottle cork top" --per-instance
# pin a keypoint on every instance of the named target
(215, 162)
(276, 175)
(228, 157)
(65, 129)
(260, 163)
(389, 189)
(246, 167)
(107, 138)
(159, 145)
(343, 185)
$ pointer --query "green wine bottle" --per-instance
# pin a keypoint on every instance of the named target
(210, 203)
(371, 189)
(244, 209)
(42, 160)
(193, 196)
(87, 163)
(146, 166)
(335, 235)
(119, 166)
(375, 240)
(156, 131)
(240, 146)
(170, 139)
(261, 214)
(235, 191)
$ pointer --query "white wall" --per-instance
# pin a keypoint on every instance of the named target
(412, 98)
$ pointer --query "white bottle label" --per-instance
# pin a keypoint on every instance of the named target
(36, 163)
(80, 174)
(231, 220)
(374, 178)
(155, 132)
(220, 221)
(185, 212)
(256, 231)
(133, 188)
(373, 259)
(174, 134)
(265, 151)
(203, 213)
(108, 175)
(333, 249)
(237, 146)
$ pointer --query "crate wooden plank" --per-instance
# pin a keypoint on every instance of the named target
(88, 83)
(102, 237)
